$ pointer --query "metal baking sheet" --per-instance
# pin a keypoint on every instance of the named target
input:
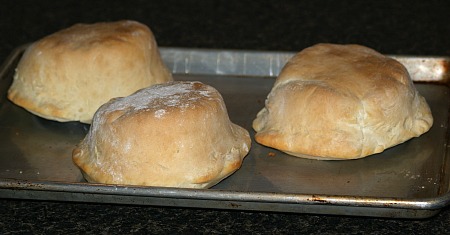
(410, 180)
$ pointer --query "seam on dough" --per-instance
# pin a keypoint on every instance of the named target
(362, 127)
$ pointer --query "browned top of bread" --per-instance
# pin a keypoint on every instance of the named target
(67, 75)
(341, 102)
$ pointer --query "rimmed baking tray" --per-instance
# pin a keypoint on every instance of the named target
(410, 180)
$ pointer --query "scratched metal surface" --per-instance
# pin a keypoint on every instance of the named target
(410, 180)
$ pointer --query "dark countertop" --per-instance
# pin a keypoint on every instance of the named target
(391, 27)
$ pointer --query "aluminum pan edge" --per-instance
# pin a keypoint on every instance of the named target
(224, 195)
(265, 63)
(269, 63)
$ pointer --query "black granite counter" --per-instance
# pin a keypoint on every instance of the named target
(391, 27)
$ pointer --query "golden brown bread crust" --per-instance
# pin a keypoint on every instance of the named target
(67, 75)
(176, 134)
(341, 102)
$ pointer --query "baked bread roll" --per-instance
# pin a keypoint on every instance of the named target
(341, 102)
(176, 134)
(67, 75)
